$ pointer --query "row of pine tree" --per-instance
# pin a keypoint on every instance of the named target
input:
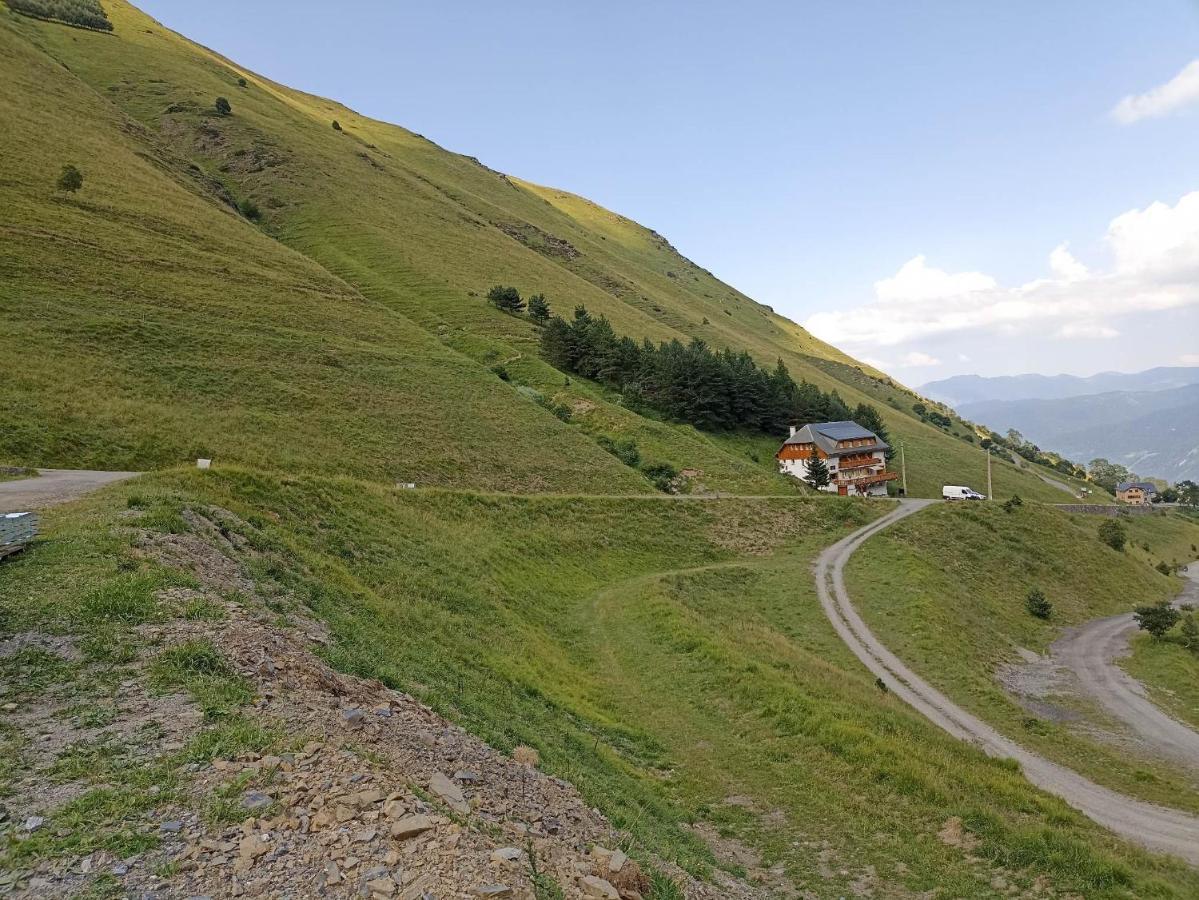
(713, 390)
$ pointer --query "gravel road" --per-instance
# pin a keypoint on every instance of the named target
(1091, 650)
(53, 486)
(1155, 827)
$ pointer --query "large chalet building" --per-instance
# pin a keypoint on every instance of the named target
(855, 457)
(1136, 493)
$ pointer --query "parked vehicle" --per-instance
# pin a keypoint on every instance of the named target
(960, 492)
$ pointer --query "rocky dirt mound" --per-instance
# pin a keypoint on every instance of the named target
(375, 795)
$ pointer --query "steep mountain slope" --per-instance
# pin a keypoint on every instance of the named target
(962, 389)
(146, 323)
(1155, 433)
(415, 234)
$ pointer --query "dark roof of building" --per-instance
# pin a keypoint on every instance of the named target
(1143, 485)
(825, 435)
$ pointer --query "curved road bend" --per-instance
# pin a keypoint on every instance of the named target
(1155, 827)
(1090, 650)
(53, 486)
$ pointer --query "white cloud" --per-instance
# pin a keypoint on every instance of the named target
(1155, 266)
(1063, 264)
(916, 359)
(1087, 330)
(1180, 91)
(917, 281)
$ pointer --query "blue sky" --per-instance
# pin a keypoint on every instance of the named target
(805, 152)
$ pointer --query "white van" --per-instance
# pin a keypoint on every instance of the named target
(958, 492)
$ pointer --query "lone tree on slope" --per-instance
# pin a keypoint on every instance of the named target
(70, 180)
(222, 107)
(1157, 618)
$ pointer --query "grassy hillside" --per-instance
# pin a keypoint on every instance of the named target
(385, 343)
(668, 657)
(965, 570)
(1170, 672)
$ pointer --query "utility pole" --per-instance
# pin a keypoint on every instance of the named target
(903, 467)
(990, 495)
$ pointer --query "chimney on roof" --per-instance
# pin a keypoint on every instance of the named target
(792, 434)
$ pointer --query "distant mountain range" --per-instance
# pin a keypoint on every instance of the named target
(1147, 421)
(962, 389)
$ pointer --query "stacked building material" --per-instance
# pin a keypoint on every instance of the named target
(16, 530)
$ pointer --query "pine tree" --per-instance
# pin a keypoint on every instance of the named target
(817, 472)
(539, 310)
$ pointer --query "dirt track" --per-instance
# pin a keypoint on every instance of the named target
(1155, 827)
(53, 486)
(1091, 650)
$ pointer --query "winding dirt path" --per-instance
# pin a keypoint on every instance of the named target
(53, 486)
(1155, 827)
(1091, 650)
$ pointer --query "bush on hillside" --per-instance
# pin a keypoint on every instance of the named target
(506, 298)
(336, 125)
(222, 107)
(84, 13)
(1113, 533)
(249, 209)
(1188, 634)
(662, 474)
(1012, 504)
(1157, 618)
(1164, 567)
(624, 450)
(691, 383)
(1037, 604)
(70, 180)
(241, 82)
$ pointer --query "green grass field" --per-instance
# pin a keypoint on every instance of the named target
(965, 570)
(667, 656)
(1170, 671)
(345, 330)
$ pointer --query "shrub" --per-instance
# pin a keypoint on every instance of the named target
(241, 82)
(501, 373)
(1157, 618)
(70, 179)
(1113, 533)
(1164, 567)
(249, 209)
(662, 474)
(1013, 504)
(1037, 604)
(222, 107)
(1189, 633)
(336, 125)
(625, 450)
